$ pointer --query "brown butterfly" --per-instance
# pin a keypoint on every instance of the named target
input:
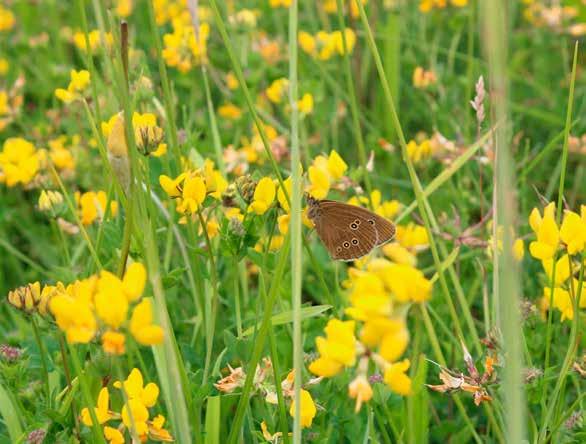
(347, 231)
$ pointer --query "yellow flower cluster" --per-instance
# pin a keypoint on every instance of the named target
(423, 78)
(134, 414)
(183, 48)
(100, 305)
(381, 292)
(331, 7)
(191, 188)
(169, 10)
(570, 237)
(124, 7)
(95, 40)
(92, 206)
(418, 152)
(7, 19)
(278, 90)
(428, 5)
(80, 80)
(323, 171)
(60, 155)
(324, 45)
(19, 162)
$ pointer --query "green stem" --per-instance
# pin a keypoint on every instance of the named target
(42, 354)
(259, 344)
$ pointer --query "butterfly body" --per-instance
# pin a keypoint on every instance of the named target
(348, 231)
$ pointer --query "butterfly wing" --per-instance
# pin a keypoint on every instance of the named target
(348, 232)
(385, 229)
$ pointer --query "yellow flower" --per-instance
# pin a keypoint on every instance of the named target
(368, 298)
(73, 311)
(264, 195)
(79, 80)
(25, 298)
(65, 95)
(4, 66)
(547, 232)
(102, 409)
(124, 7)
(173, 187)
(231, 81)
(135, 414)
(19, 161)
(423, 79)
(399, 254)
(561, 300)
(338, 43)
(407, 283)
(230, 111)
(114, 436)
(518, 249)
(419, 152)
(136, 390)
(305, 104)
(396, 378)
(110, 302)
(194, 193)
(156, 430)
(319, 179)
(282, 197)
(280, 3)
(147, 134)
(307, 42)
(412, 236)
(95, 39)
(336, 165)
(562, 269)
(48, 200)
(395, 338)
(337, 349)
(183, 48)
(142, 327)
(7, 19)
(573, 231)
(360, 390)
(308, 409)
(92, 206)
(134, 281)
(113, 342)
(278, 90)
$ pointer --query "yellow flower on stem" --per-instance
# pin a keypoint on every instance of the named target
(147, 134)
(110, 301)
(396, 378)
(277, 91)
(194, 193)
(230, 111)
(369, 298)
(308, 409)
(305, 104)
(134, 281)
(135, 388)
(142, 327)
(412, 236)
(573, 231)
(391, 335)
(102, 409)
(156, 430)
(26, 298)
(562, 269)
(337, 349)
(336, 165)
(264, 195)
(19, 161)
(135, 414)
(114, 436)
(319, 179)
(92, 206)
(173, 187)
(547, 233)
(74, 313)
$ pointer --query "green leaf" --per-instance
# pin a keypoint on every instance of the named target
(287, 316)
